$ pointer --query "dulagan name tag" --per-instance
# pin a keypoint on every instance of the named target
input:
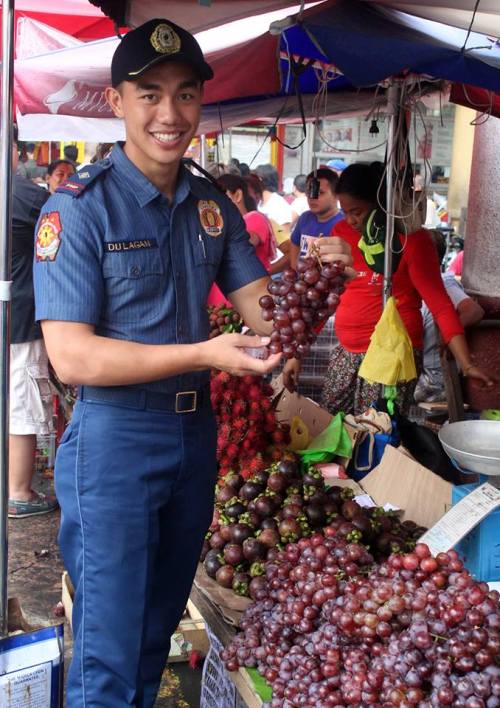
(120, 246)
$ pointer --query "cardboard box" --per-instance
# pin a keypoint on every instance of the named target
(399, 480)
(423, 496)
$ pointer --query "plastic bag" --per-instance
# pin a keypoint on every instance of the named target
(333, 441)
(389, 358)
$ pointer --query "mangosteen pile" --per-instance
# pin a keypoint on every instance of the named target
(254, 518)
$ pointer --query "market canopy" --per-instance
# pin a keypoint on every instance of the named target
(77, 18)
(198, 15)
(339, 43)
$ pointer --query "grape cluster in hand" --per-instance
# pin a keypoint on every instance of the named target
(299, 302)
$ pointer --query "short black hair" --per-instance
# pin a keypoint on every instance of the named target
(300, 183)
(244, 169)
(232, 182)
(269, 176)
(55, 164)
(71, 152)
(362, 181)
(327, 174)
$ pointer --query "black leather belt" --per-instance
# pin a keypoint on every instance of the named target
(141, 399)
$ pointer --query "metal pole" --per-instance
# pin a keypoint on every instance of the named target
(5, 289)
(393, 98)
(203, 151)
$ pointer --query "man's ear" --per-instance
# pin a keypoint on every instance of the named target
(114, 98)
(238, 195)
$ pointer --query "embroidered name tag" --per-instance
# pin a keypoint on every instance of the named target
(116, 246)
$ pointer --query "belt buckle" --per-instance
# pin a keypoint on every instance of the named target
(194, 394)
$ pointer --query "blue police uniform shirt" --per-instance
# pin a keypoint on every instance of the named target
(112, 251)
(308, 227)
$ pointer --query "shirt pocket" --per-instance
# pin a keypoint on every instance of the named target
(134, 284)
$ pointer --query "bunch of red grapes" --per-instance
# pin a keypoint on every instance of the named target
(330, 629)
(300, 302)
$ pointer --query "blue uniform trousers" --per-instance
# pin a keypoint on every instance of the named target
(136, 489)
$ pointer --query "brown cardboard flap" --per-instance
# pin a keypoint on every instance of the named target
(399, 480)
(314, 417)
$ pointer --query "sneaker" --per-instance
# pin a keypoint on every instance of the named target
(37, 505)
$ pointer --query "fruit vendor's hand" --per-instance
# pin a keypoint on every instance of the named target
(333, 248)
(475, 372)
(291, 372)
(227, 353)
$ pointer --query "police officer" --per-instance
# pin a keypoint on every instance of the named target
(126, 253)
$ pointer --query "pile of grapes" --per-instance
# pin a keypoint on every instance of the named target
(281, 505)
(299, 303)
(223, 320)
(331, 629)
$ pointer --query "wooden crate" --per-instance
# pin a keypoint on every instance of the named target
(189, 636)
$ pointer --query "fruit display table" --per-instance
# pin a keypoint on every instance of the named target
(237, 688)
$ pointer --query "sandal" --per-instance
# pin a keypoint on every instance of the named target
(37, 505)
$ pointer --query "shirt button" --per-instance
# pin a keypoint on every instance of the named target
(135, 270)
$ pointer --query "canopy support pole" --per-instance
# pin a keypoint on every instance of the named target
(203, 151)
(393, 99)
(5, 290)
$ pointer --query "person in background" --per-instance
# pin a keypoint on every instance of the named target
(337, 165)
(275, 207)
(57, 173)
(102, 150)
(322, 216)
(258, 226)
(456, 265)
(233, 167)
(244, 169)
(416, 278)
(299, 204)
(30, 393)
(430, 386)
(71, 154)
(29, 168)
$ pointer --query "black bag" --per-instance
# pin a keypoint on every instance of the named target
(423, 444)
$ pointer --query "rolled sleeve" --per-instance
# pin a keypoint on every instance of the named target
(239, 265)
(70, 287)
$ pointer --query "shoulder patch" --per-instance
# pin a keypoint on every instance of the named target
(79, 182)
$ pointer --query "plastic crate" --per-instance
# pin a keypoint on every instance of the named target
(217, 689)
(480, 549)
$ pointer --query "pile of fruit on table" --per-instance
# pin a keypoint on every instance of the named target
(255, 517)
(331, 627)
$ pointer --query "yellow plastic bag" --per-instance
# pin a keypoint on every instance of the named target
(389, 358)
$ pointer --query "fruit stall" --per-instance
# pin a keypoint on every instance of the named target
(320, 591)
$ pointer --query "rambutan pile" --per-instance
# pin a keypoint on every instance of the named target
(249, 436)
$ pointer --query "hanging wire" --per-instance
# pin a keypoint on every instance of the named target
(470, 26)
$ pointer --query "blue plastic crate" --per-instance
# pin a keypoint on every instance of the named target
(480, 549)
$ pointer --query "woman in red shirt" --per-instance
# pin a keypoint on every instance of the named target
(258, 227)
(416, 278)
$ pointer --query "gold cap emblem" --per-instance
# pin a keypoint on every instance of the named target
(165, 40)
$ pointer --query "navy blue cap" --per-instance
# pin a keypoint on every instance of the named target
(151, 43)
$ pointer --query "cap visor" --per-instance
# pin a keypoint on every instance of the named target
(203, 69)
